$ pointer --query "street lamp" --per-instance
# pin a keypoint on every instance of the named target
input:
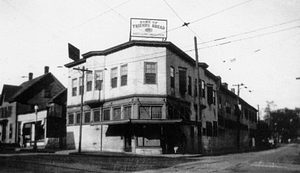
(35, 128)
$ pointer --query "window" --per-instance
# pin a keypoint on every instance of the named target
(150, 72)
(192, 132)
(195, 88)
(150, 112)
(10, 130)
(71, 118)
(209, 128)
(214, 97)
(47, 91)
(127, 112)
(97, 117)
(81, 89)
(116, 113)
(87, 117)
(114, 77)
(210, 94)
(215, 128)
(89, 80)
(190, 86)
(74, 87)
(98, 79)
(149, 136)
(124, 71)
(172, 77)
(182, 80)
(78, 115)
(228, 107)
(145, 112)
(156, 112)
(106, 113)
(203, 89)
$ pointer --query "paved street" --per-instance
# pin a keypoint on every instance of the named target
(283, 159)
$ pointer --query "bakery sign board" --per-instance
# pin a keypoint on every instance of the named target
(149, 28)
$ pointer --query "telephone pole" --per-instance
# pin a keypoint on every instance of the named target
(199, 116)
(83, 70)
(238, 116)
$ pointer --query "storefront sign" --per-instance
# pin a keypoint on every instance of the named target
(151, 28)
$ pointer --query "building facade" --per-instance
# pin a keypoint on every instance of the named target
(141, 97)
(34, 110)
(237, 121)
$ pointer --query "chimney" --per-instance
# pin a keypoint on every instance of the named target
(46, 69)
(30, 76)
(225, 85)
(233, 90)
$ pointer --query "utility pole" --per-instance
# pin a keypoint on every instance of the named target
(199, 95)
(238, 116)
(81, 106)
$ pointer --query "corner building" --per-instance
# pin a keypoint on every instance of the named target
(142, 97)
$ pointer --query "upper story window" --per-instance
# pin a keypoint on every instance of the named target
(106, 114)
(195, 88)
(114, 77)
(116, 113)
(150, 112)
(74, 86)
(97, 115)
(80, 86)
(127, 112)
(98, 79)
(190, 85)
(150, 72)
(71, 118)
(89, 80)
(203, 88)
(228, 107)
(210, 96)
(124, 72)
(172, 77)
(78, 117)
(182, 80)
(87, 117)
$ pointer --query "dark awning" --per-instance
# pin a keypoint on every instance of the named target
(3, 122)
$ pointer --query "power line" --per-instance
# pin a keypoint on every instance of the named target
(213, 14)
(165, 55)
(111, 9)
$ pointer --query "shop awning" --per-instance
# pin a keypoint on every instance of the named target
(146, 121)
(3, 122)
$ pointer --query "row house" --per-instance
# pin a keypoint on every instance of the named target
(34, 110)
(237, 121)
(143, 97)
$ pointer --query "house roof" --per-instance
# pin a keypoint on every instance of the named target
(131, 43)
(230, 93)
(7, 92)
(60, 97)
(24, 87)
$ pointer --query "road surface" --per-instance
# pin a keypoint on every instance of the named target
(283, 159)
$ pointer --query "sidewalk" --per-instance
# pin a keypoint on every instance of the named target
(11, 150)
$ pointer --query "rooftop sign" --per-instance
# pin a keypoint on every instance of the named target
(148, 28)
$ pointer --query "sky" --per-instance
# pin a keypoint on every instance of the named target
(254, 42)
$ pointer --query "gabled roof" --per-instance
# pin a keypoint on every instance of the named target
(60, 97)
(7, 92)
(24, 87)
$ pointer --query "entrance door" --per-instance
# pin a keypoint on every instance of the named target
(127, 143)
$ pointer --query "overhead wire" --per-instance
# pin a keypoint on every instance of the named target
(81, 24)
